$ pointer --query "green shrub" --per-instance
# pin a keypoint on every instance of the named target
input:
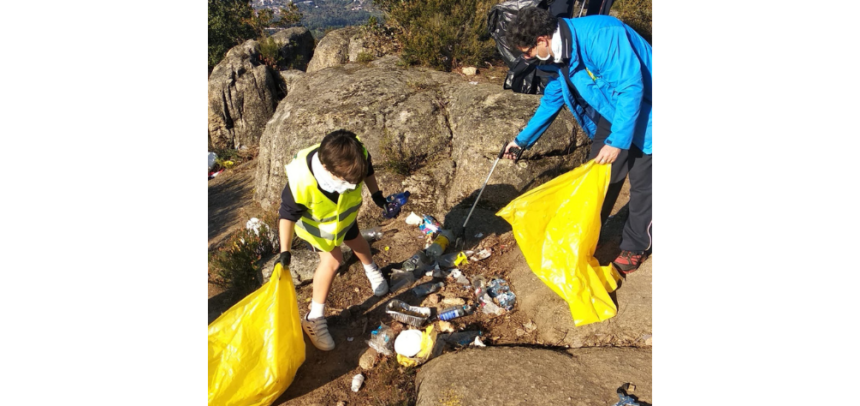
(270, 53)
(364, 57)
(441, 34)
(237, 263)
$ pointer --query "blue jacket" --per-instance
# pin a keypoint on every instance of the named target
(616, 82)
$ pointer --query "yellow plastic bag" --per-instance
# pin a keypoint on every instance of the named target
(256, 346)
(556, 226)
(428, 349)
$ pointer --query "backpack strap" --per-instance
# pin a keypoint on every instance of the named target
(567, 41)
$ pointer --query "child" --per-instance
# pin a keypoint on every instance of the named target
(320, 203)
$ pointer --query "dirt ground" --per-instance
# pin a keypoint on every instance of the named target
(353, 311)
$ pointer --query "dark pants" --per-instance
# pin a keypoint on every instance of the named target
(633, 162)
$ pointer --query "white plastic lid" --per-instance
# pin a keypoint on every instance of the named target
(408, 343)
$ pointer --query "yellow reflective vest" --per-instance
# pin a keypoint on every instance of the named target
(325, 223)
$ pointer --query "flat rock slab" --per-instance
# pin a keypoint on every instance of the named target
(530, 376)
(631, 326)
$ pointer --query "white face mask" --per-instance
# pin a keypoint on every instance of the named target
(548, 55)
(326, 180)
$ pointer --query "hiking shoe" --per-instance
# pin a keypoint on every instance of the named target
(317, 331)
(628, 261)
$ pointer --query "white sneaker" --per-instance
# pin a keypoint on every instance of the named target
(377, 282)
(317, 331)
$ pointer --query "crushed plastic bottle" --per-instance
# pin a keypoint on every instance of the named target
(382, 340)
(455, 312)
(439, 244)
(394, 203)
(427, 288)
(372, 234)
(488, 307)
(429, 225)
(459, 277)
(480, 284)
(416, 261)
(497, 287)
(507, 300)
(462, 338)
(356, 382)
(401, 279)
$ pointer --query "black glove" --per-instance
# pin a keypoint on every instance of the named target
(378, 199)
(284, 259)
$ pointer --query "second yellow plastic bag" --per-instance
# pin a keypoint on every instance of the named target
(556, 226)
(256, 346)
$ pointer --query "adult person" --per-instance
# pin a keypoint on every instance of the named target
(603, 74)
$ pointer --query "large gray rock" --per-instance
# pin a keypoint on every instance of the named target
(291, 77)
(429, 132)
(303, 263)
(631, 326)
(243, 94)
(333, 49)
(296, 46)
(528, 376)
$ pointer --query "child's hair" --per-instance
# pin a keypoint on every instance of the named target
(343, 155)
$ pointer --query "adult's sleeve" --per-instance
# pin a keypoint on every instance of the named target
(290, 210)
(550, 104)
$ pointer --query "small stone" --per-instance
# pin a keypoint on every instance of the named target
(530, 326)
(453, 301)
(472, 71)
(520, 332)
(446, 327)
(368, 359)
(648, 341)
(357, 290)
(341, 403)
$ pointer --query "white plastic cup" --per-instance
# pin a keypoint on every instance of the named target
(356, 382)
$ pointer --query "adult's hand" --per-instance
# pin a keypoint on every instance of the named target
(607, 154)
(510, 145)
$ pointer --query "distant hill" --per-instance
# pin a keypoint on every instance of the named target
(321, 15)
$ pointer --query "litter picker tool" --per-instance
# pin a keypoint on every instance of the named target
(517, 152)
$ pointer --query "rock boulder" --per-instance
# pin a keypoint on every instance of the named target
(243, 94)
(529, 376)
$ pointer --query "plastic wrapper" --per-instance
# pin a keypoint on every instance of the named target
(382, 340)
(556, 226)
(256, 347)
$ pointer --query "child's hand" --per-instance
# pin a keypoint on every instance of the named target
(378, 199)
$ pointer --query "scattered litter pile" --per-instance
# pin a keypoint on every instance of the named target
(430, 324)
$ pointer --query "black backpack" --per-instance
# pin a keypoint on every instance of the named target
(523, 77)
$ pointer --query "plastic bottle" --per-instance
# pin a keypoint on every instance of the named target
(462, 338)
(480, 284)
(394, 203)
(488, 307)
(416, 261)
(439, 244)
(372, 234)
(455, 312)
(356, 382)
(427, 288)
(497, 287)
